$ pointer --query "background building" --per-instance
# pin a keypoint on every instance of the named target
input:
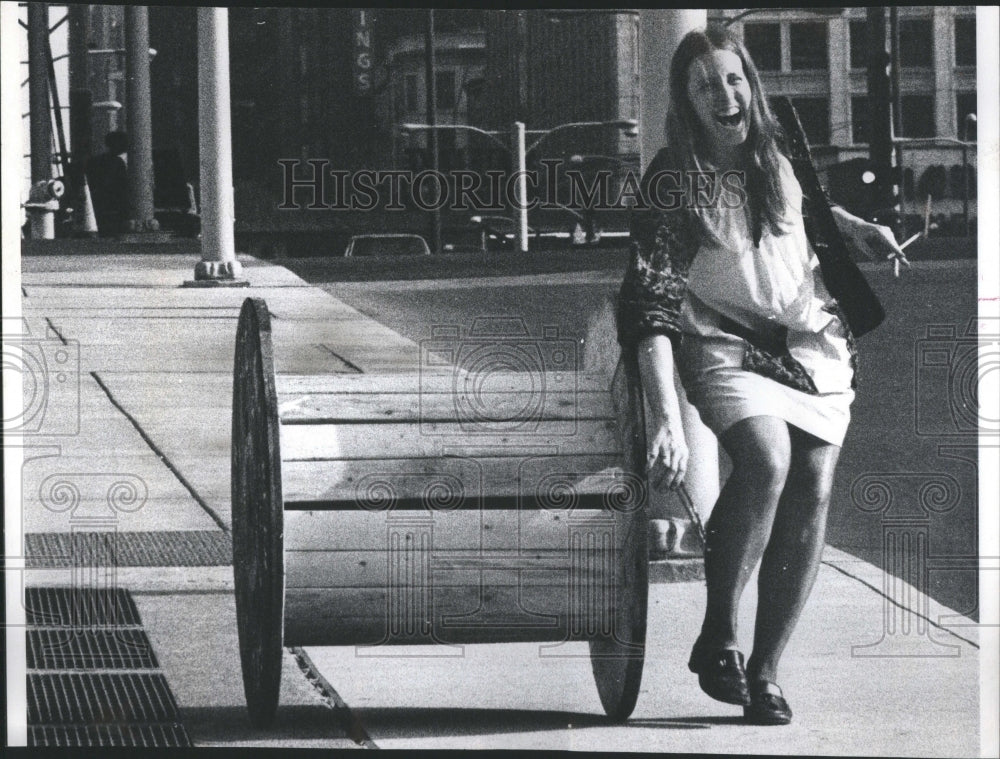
(296, 94)
(820, 62)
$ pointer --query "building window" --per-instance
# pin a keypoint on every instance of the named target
(860, 120)
(763, 42)
(445, 83)
(965, 104)
(918, 116)
(410, 87)
(859, 44)
(814, 113)
(916, 43)
(965, 41)
(808, 46)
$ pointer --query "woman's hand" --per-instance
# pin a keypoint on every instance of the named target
(874, 241)
(666, 455)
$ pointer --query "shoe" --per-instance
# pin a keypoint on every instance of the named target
(767, 705)
(721, 675)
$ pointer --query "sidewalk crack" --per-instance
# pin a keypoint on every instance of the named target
(161, 455)
(894, 602)
(348, 720)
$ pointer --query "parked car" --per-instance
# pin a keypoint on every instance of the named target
(387, 245)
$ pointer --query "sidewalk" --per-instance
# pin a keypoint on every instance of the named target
(145, 426)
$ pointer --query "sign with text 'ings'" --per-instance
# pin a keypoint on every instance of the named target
(361, 50)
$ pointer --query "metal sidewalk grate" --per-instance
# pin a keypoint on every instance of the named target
(99, 698)
(80, 608)
(97, 632)
(90, 649)
(172, 736)
(184, 548)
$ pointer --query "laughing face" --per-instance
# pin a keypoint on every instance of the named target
(720, 95)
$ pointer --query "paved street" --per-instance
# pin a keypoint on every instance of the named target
(876, 668)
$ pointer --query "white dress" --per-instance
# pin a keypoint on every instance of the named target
(775, 284)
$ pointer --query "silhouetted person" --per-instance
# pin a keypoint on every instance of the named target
(107, 177)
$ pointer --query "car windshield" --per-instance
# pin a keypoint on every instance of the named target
(376, 245)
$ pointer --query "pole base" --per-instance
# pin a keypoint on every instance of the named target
(217, 274)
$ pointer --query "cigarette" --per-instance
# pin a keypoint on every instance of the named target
(895, 267)
(915, 237)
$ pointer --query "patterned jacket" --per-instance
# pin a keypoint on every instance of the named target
(663, 245)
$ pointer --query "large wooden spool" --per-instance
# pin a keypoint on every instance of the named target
(438, 507)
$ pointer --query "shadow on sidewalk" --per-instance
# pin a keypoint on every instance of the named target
(231, 725)
(685, 723)
(417, 722)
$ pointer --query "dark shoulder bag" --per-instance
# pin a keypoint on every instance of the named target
(841, 275)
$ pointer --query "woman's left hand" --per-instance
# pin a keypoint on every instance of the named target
(874, 241)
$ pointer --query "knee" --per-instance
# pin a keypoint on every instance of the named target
(766, 469)
(811, 488)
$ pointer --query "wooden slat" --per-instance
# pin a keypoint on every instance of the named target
(481, 615)
(471, 477)
(447, 569)
(450, 530)
(441, 381)
(503, 408)
(393, 441)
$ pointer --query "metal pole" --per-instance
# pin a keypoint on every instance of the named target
(660, 31)
(965, 182)
(56, 108)
(432, 134)
(80, 102)
(879, 98)
(38, 92)
(897, 121)
(79, 85)
(522, 186)
(218, 263)
(140, 126)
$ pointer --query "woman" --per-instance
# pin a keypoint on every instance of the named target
(733, 291)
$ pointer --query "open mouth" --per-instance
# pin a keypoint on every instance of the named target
(732, 120)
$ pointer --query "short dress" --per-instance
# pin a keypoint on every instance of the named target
(763, 288)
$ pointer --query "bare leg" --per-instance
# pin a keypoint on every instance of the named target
(738, 529)
(791, 560)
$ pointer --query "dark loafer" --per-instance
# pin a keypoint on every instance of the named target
(767, 705)
(721, 675)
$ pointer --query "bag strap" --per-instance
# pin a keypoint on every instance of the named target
(841, 275)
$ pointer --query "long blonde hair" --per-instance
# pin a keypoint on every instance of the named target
(686, 139)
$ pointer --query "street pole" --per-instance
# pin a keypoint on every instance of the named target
(432, 135)
(38, 92)
(965, 183)
(660, 32)
(897, 121)
(80, 101)
(140, 219)
(517, 132)
(218, 265)
(879, 112)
